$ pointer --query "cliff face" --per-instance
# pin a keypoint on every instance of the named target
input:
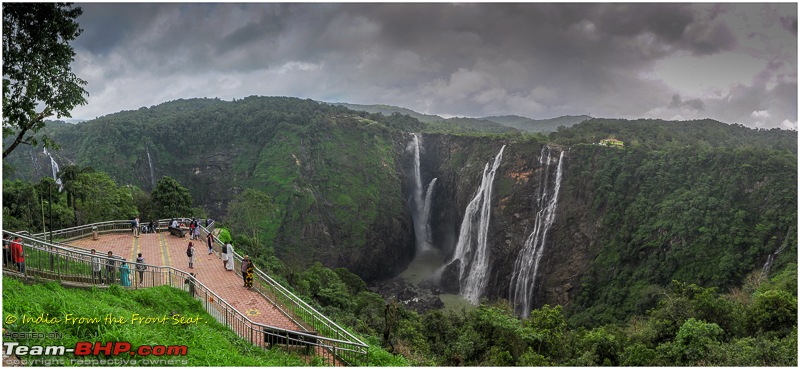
(458, 163)
(626, 222)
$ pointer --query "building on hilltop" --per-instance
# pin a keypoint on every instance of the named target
(612, 142)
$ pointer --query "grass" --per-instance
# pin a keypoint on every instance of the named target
(208, 342)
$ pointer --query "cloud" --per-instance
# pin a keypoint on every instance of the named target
(538, 60)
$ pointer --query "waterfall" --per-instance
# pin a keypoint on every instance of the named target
(422, 205)
(54, 166)
(471, 248)
(526, 267)
(35, 162)
(150, 162)
(771, 257)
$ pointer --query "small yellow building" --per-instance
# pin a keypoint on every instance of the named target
(612, 142)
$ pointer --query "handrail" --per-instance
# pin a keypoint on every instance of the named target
(319, 322)
(72, 265)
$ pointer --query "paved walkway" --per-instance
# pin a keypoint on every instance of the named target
(168, 250)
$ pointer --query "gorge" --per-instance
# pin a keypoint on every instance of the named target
(531, 219)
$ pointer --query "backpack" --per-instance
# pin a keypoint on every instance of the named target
(189, 252)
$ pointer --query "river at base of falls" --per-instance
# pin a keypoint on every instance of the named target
(421, 271)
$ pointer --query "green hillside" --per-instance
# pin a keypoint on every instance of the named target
(537, 125)
(208, 342)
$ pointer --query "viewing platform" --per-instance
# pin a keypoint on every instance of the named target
(267, 314)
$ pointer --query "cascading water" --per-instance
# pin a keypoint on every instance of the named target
(54, 166)
(35, 162)
(150, 162)
(771, 257)
(471, 249)
(422, 205)
(526, 267)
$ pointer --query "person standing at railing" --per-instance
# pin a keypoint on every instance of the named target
(111, 269)
(96, 274)
(18, 255)
(190, 281)
(196, 231)
(135, 225)
(190, 254)
(248, 269)
(6, 250)
(140, 267)
(124, 274)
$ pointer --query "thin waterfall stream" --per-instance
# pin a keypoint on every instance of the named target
(526, 267)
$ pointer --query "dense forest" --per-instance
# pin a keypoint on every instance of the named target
(679, 248)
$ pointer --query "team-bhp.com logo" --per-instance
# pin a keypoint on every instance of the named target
(96, 348)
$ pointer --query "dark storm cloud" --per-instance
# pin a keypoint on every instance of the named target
(790, 24)
(677, 103)
(537, 60)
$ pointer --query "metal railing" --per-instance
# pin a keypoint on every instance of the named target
(50, 261)
(294, 307)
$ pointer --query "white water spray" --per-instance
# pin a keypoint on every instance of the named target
(150, 162)
(771, 257)
(471, 248)
(526, 267)
(54, 166)
(422, 205)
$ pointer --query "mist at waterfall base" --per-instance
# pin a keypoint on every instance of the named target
(428, 261)
(471, 254)
(472, 248)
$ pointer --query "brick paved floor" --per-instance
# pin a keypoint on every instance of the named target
(168, 250)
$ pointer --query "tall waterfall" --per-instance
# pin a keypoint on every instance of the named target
(422, 204)
(150, 162)
(526, 267)
(471, 248)
(54, 166)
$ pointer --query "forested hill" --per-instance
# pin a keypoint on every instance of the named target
(655, 133)
(710, 205)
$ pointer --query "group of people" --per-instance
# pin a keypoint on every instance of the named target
(226, 254)
(111, 269)
(194, 229)
(139, 228)
(13, 253)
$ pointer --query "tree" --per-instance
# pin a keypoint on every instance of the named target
(249, 212)
(170, 199)
(36, 71)
(100, 199)
(69, 177)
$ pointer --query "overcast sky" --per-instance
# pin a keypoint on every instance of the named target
(736, 63)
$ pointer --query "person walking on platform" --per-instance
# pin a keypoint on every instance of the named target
(248, 269)
(140, 267)
(229, 257)
(190, 254)
(210, 240)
